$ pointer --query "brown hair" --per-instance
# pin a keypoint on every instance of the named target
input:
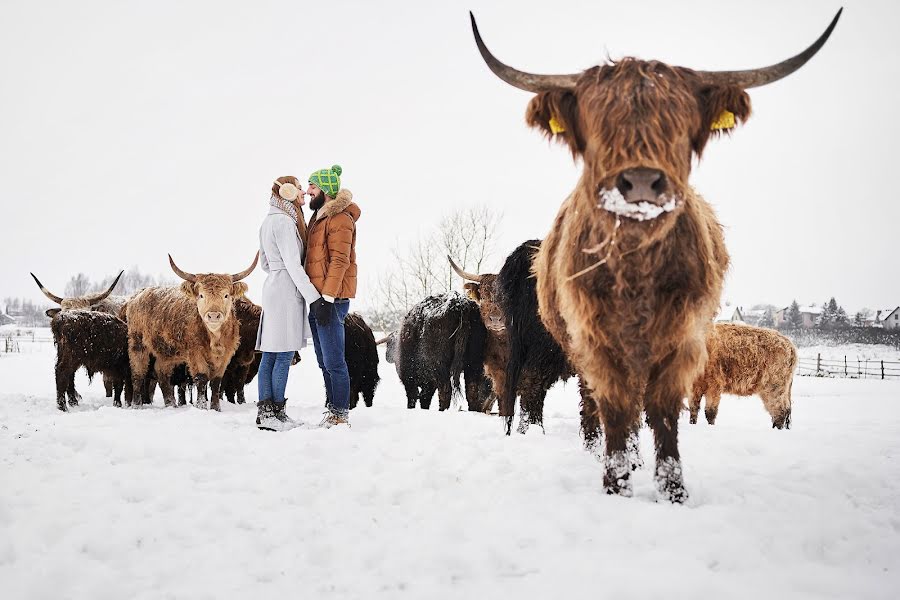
(301, 220)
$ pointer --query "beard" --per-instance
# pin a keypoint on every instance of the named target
(317, 202)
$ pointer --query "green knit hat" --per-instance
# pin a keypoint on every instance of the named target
(328, 180)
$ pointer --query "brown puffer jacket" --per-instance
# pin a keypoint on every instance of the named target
(331, 247)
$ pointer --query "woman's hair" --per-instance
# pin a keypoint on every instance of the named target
(301, 220)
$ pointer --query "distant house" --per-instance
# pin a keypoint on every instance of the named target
(729, 314)
(5, 319)
(809, 314)
(888, 318)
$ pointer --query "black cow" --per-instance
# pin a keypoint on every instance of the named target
(361, 355)
(441, 338)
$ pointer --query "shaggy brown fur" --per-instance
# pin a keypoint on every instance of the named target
(745, 360)
(635, 326)
(172, 325)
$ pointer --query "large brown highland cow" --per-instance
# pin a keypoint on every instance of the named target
(630, 274)
(194, 324)
(743, 361)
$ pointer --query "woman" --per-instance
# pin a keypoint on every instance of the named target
(283, 327)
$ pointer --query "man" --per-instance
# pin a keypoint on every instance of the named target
(331, 266)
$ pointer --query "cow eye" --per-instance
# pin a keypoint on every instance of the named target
(226, 295)
(201, 295)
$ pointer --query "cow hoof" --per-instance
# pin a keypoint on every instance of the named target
(61, 405)
(670, 481)
(117, 404)
(73, 401)
(617, 478)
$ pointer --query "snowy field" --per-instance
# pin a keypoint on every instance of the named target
(105, 503)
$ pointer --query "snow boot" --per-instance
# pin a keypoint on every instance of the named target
(265, 416)
(333, 419)
(282, 417)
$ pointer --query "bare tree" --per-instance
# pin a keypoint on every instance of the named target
(467, 234)
(78, 285)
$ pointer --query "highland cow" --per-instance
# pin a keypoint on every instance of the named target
(101, 302)
(245, 359)
(441, 338)
(193, 324)
(743, 361)
(631, 272)
(361, 354)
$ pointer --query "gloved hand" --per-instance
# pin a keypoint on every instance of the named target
(323, 310)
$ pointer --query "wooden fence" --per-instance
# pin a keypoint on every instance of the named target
(855, 368)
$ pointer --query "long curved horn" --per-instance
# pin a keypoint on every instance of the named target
(757, 77)
(102, 295)
(463, 274)
(186, 276)
(520, 79)
(245, 272)
(383, 340)
(47, 292)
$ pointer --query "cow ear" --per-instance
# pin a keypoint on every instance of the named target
(722, 108)
(472, 291)
(239, 289)
(555, 113)
(189, 289)
(52, 312)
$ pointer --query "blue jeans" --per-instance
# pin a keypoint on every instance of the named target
(329, 343)
(273, 375)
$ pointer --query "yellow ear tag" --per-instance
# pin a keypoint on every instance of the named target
(723, 121)
(556, 126)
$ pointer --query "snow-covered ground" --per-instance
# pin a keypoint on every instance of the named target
(179, 503)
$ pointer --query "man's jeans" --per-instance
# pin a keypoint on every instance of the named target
(329, 343)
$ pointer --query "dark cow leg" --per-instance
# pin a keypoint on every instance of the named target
(425, 395)
(369, 397)
(117, 383)
(445, 395)
(64, 376)
(71, 392)
(240, 395)
(149, 389)
(619, 419)
(591, 432)
(216, 385)
(202, 398)
(182, 394)
(129, 391)
(712, 405)
(109, 384)
(354, 396)
(412, 394)
(633, 447)
(663, 405)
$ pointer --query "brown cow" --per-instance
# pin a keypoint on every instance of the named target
(193, 324)
(743, 361)
(630, 274)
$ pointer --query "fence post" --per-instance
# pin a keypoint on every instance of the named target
(845, 365)
(818, 363)
(882, 369)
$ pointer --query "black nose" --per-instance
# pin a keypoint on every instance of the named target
(643, 185)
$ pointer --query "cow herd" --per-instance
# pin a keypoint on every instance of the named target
(622, 292)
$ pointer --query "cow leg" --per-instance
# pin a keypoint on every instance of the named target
(164, 378)
(71, 392)
(118, 383)
(240, 395)
(694, 406)
(202, 399)
(445, 394)
(64, 376)
(712, 405)
(591, 432)
(778, 405)
(216, 385)
(139, 359)
(129, 390)
(425, 394)
(412, 394)
(354, 396)
(663, 404)
(182, 393)
(109, 384)
(369, 397)
(618, 417)
(240, 382)
(524, 412)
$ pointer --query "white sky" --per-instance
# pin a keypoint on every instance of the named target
(133, 129)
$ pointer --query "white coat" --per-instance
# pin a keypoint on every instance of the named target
(287, 292)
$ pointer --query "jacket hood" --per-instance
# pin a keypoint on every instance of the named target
(343, 202)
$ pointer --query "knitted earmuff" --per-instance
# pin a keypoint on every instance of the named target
(287, 190)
